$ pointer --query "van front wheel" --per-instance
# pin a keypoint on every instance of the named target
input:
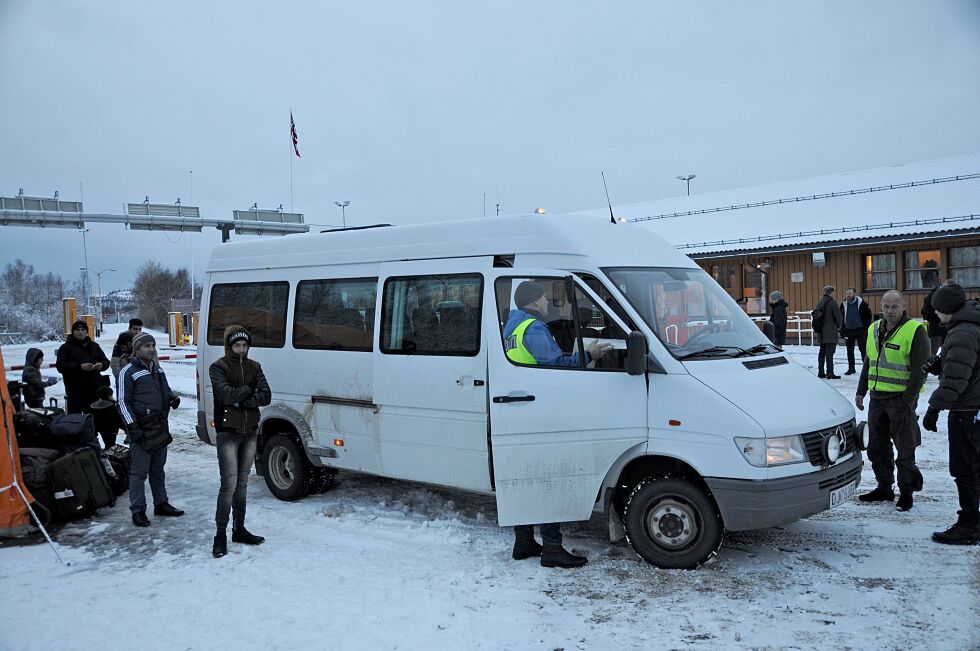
(287, 472)
(672, 523)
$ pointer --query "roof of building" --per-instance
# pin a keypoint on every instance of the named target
(913, 201)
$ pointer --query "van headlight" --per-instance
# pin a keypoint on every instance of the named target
(772, 451)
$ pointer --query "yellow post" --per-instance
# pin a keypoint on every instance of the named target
(68, 312)
(176, 329)
(195, 316)
(90, 320)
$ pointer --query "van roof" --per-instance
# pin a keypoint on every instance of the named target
(535, 237)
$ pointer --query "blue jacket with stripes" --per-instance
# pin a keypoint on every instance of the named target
(143, 389)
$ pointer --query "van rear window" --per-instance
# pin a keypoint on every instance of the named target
(335, 314)
(260, 307)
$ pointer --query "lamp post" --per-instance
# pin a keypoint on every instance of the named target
(98, 280)
(85, 269)
(343, 210)
(686, 178)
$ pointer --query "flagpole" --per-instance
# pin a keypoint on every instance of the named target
(290, 160)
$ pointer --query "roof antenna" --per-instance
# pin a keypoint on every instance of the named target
(609, 203)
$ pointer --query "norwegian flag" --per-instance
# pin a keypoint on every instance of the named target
(292, 133)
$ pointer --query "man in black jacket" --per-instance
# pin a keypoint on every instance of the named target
(856, 317)
(959, 392)
(828, 316)
(778, 317)
(81, 362)
(936, 330)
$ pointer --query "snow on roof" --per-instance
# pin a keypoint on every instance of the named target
(930, 197)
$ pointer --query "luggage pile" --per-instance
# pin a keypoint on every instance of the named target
(63, 465)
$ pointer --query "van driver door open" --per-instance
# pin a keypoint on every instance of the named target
(430, 372)
(556, 428)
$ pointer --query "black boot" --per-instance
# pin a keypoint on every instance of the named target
(958, 534)
(242, 535)
(220, 546)
(878, 495)
(164, 508)
(140, 519)
(557, 556)
(904, 502)
(525, 546)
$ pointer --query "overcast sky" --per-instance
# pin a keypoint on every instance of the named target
(414, 111)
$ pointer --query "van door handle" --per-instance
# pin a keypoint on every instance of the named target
(499, 399)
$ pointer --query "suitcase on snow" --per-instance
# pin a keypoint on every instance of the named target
(34, 466)
(80, 485)
(121, 462)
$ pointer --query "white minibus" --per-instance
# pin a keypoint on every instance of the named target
(384, 350)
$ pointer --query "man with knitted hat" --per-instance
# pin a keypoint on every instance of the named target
(959, 392)
(145, 401)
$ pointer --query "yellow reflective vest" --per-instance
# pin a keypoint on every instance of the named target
(514, 344)
(888, 365)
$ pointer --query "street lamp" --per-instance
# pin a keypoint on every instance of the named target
(687, 178)
(343, 210)
(85, 269)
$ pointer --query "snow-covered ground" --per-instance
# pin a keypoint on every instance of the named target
(380, 564)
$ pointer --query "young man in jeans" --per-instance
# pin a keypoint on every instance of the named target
(240, 388)
(145, 401)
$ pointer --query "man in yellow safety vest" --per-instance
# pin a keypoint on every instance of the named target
(896, 349)
(527, 340)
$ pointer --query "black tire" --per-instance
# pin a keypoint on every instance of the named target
(287, 472)
(672, 523)
(321, 480)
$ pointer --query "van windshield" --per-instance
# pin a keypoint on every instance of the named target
(690, 313)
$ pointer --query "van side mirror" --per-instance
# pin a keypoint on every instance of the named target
(636, 353)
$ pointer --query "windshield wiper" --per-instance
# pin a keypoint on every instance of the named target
(715, 350)
(758, 348)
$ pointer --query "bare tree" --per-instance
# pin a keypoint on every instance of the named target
(155, 287)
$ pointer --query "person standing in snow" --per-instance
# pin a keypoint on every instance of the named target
(897, 348)
(959, 392)
(145, 401)
(828, 316)
(81, 362)
(527, 340)
(778, 317)
(34, 383)
(121, 352)
(240, 388)
(856, 319)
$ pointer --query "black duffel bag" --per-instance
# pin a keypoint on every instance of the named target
(73, 430)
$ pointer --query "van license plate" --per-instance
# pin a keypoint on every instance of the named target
(843, 494)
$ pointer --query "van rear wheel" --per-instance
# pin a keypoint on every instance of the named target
(672, 523)
(287, 472)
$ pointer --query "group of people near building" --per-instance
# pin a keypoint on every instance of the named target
(145, 399)
(898, 354)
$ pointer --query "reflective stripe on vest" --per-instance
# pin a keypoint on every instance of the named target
(890, 371)
(514, 344)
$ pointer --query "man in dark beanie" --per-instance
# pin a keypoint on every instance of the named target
(240, 388)
(959, 392)
(145, 401)
(527, 340)
(81, 362)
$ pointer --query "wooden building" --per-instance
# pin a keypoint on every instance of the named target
(906, 227)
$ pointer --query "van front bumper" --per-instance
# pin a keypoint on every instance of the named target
(749, 504)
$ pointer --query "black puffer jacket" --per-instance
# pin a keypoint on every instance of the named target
(240, 388)
(81, 385)
(959, 382)
(779, 318)
(34, 391)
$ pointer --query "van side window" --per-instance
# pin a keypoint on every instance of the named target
(432, 315)
(335, 314)
(526, 344)
(260, 307)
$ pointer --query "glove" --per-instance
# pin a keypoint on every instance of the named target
(931, 419)
(911, 401)
(174, 402)
(51, 381)
(133, 433)
(932, 365)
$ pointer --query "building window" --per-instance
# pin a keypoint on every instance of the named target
(879, 271)
(432, 315)
(260, 307)
(964, 265)
(335, 314)
(921, 269)
(724, 275)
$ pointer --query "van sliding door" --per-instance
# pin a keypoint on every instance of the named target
(430, 372)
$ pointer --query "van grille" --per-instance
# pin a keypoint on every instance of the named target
(765, 363)
(843, 479)
(814, 442)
